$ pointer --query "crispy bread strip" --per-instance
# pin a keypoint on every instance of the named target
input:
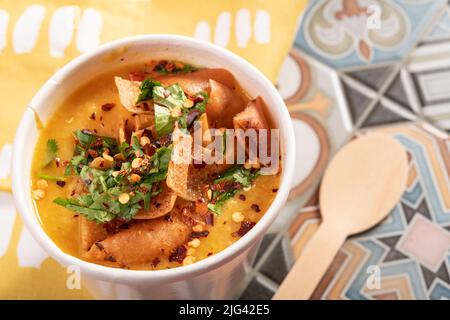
(194, 82)
(252, 117)
(141, 242)
(222, 98)
(90, 233)
(178, 172)
(128, 93)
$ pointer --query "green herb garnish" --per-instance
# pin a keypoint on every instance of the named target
(50, 178)
(171, 97)
(147, 90)
(51, 152)
(228, 184)
(103, 186)
(171, 68)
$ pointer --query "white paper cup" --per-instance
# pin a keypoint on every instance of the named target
(218, 277)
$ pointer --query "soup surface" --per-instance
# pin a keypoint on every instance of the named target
(106, 183)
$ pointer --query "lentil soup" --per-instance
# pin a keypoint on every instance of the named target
(105, 184)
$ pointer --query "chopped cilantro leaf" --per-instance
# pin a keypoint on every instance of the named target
(51, 152)
(147, 90)
(171, 97)
(163, 120)
(228, 184)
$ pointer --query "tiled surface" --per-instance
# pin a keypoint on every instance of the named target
(403, 92)
(336, 31)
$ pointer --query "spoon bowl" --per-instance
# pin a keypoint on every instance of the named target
(363, 182)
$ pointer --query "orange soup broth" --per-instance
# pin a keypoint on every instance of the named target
(62, 225)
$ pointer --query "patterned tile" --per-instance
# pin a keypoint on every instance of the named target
(425, 242)
(413, 262)
(382, 115)
(401, 91)
(372, 77)
(257, 290)
(266, 242)
(276, 266)
(337, 33)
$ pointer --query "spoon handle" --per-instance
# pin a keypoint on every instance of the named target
(312, 264)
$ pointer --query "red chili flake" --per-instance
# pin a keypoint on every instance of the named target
(136, 76)
(61, 183)
(178, 254)
(113, 226)
(255, 207)
(242, 197)
(155, 262)
(199, 234)
(108, 106)
(160, 66)
(192, 115)
(199, 98)
(275, 190)
(210, 219)
(111, 259)
(98, 143)
(99, 245)
(93, 116)
(246, 226)
(75, 215)
(93, 153)
(226, 186)
(170, 66)
(210, 254)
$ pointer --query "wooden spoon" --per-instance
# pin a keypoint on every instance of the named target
(361, 185)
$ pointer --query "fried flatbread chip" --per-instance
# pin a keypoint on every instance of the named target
(141, 242)
(178, 171)
(252, 117)
(129, 93)
(219, 97)
(90, 233)
(194, 82)
(160, 205)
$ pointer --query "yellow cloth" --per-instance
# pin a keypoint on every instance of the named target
(259, 30)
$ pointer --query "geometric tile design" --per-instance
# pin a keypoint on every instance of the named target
(410, 248)
(335, 31)
(372, 77)
(393, 254)
(277, 265)
(425, 242)
(381, 115)
(403, 92)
